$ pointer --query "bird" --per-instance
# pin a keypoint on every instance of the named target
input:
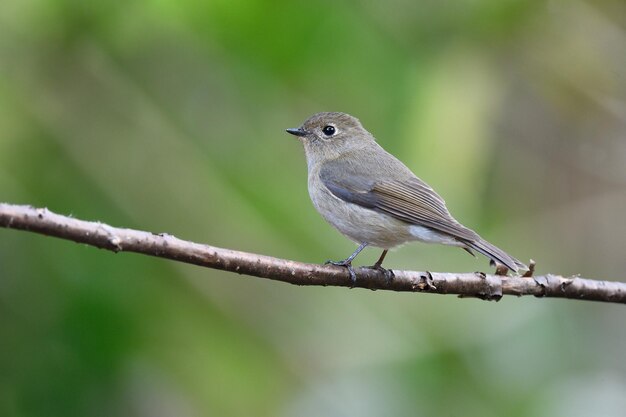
(372, 198)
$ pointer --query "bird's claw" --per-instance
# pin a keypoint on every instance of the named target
(347, 265)
(389, 275)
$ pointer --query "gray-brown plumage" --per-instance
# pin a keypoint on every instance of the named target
(372, 197)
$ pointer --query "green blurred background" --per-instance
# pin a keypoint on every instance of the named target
(169, 116)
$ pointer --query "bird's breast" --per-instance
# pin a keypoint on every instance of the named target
(358, 223)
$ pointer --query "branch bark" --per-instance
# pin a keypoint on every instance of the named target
(488, 287)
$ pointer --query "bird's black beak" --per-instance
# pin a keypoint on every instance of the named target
(297, 132)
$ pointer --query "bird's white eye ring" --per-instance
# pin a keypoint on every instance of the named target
(329, 130)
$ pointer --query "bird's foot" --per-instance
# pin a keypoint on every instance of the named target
(347, 264)
(389, 275)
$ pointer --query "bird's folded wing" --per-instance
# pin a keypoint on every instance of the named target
(410, 200)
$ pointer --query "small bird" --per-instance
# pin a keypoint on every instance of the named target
(373, 198)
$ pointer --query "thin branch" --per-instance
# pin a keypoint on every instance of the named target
(488, 287)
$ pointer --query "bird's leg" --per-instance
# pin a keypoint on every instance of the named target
(348, 262)
(380, 260)
(378, 266)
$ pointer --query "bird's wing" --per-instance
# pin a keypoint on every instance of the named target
(408, 199)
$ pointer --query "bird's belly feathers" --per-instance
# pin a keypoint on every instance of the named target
(358, 223)
(365, 225)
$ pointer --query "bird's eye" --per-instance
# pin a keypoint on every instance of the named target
(328, 130)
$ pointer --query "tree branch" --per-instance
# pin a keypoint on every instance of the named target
(488, 287)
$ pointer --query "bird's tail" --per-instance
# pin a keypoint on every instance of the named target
(497, 255)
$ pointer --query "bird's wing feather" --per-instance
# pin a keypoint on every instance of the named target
(408, 199)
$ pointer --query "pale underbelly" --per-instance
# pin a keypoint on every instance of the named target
(375, 228)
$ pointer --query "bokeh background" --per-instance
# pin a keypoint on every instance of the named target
(168, 116)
